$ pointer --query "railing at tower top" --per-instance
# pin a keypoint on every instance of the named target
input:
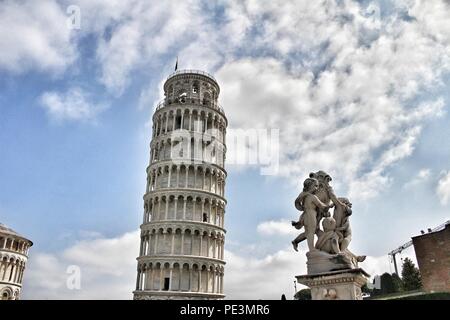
(190, 100)
(203, 73)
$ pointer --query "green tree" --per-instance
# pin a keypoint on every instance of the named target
(365, 289)
(389, 283)
(410, 276)
(397, 282)
(304, 294)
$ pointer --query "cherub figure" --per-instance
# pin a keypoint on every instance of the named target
(341, 214)
(328, 240)
(310, 204)
(325, 194)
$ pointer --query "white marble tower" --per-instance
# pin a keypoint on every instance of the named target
(13, 258)
(182, 234)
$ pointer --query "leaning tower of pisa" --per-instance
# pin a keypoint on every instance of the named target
(182, 233)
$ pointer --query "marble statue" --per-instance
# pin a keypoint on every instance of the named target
(341, 215)
(312, 209)
(328, 240)
(330, 251)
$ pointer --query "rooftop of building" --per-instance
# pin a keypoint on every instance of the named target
(187, 72)
(191, 71)
(445, 226)
(5, 230)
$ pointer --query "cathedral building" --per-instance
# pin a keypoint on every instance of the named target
(13, 258)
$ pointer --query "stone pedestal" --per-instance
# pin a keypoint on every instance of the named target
(320, 262)
(335, 285)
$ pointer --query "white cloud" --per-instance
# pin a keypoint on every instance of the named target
(343, 138)
(422, 176)
(72, 105)
(280, 228)
(443, 188)
(265, 278)
(33, 35)
(119, 55)
(135, 35)
(343, 91)
(107, 265)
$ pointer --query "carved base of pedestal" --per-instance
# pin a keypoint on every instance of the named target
(335, 285)
(320, 262)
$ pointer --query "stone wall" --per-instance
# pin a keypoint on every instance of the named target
(433, 256)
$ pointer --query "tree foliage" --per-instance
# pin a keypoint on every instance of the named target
(304, 294)
(410, 276)
(390, 283)
(397, 282)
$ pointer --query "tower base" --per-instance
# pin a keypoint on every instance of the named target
(335, 285)
(175, 295)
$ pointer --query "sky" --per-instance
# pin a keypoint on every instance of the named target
(358, 89)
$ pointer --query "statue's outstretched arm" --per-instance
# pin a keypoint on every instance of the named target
(321, 205)
(333, 197)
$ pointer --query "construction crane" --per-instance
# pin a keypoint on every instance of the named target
(393, 253)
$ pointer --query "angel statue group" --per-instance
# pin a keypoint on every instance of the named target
(315, 201)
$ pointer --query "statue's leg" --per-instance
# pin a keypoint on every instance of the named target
(355, 257)
(297, 240)
(310, 240)
(344, 244)
(300, 237)
(298, 224)
(310, 230)
(335, 245)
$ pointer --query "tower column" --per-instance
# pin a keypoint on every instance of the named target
(199, 279)
(195, 172)
(167, 122)
(174, 121)
(172, 249)
(203, 209)
(182, 119)
(167, 209)
(180, 272)
(156, 251)
(184, 208)
(201, 245)
(156, 178)
(182, 241)
(141, 250)
(137, 279)
(176, 207)
(159, 209)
